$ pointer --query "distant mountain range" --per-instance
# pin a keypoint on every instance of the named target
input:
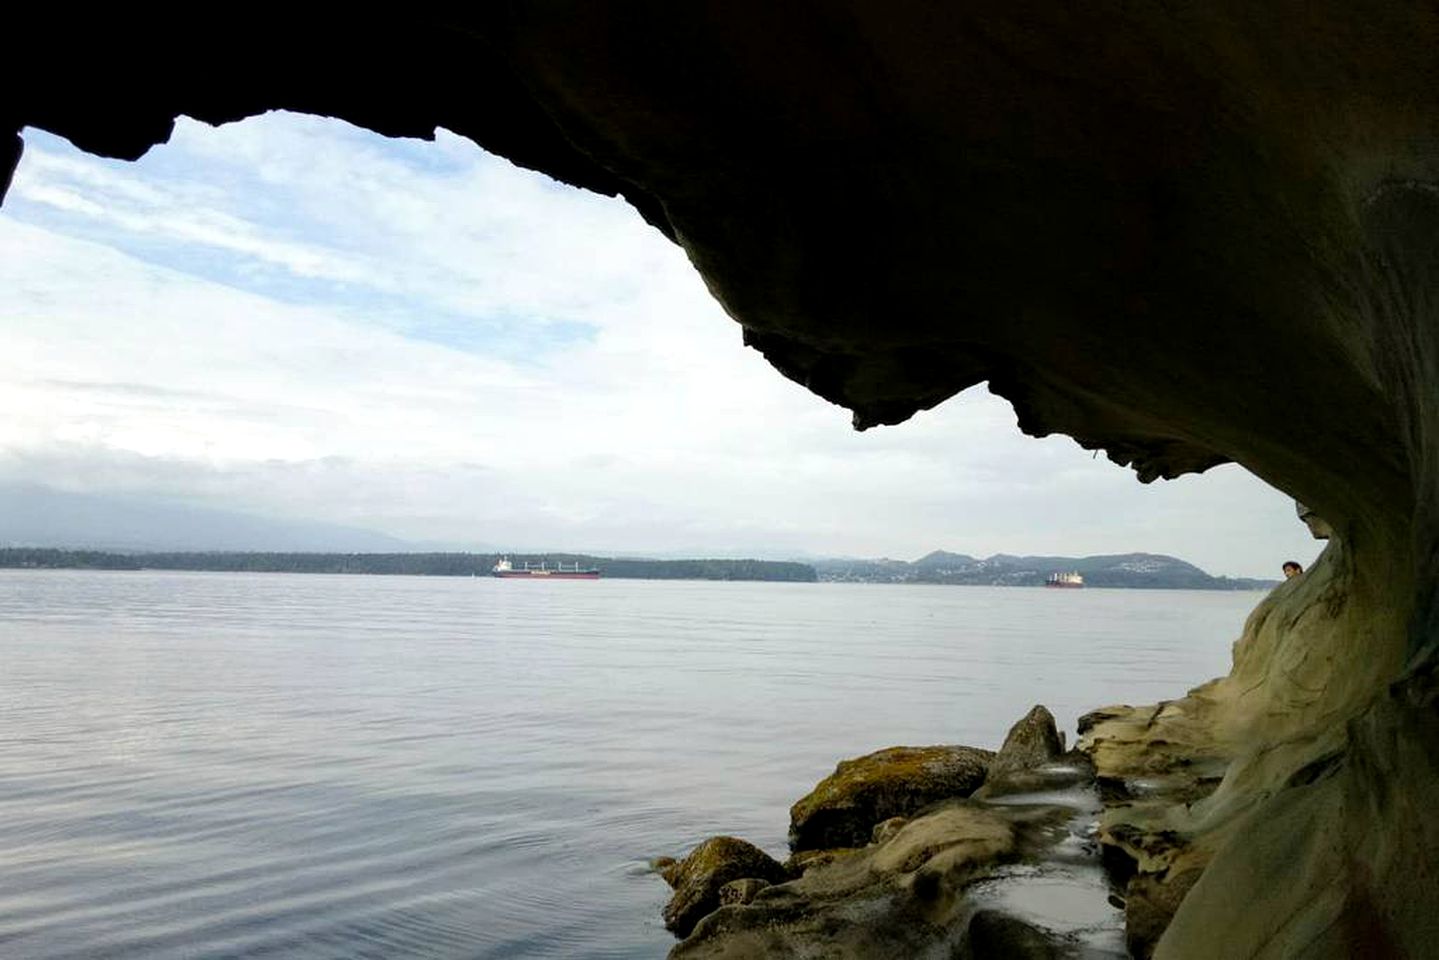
(1151, 570)
(35, 516)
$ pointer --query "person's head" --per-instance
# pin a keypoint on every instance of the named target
(1292, 569)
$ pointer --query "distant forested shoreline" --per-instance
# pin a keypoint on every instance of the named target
(403, 564)
(1132, 570)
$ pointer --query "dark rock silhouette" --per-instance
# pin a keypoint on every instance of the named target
(992, 934)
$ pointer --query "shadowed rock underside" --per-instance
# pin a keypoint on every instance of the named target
(1181, 234)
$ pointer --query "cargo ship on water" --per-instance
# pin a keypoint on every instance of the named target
(506, 570)
(1069, 581)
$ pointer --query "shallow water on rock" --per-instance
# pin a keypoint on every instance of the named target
(1067, 892)
(228, 765)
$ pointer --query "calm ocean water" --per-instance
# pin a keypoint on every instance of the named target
(218, 765)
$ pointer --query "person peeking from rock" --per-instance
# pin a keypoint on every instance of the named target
(1292, 569)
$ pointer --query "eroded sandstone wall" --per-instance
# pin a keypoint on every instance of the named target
(1313, 844)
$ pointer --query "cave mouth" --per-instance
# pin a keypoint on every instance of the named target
(261, 277)
(1181, 238)
(309, 305)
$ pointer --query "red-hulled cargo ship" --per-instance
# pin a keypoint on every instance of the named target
(1071, 581)
(507, 571)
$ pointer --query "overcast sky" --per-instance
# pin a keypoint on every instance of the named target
(292, 317)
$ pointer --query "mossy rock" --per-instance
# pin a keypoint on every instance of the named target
(1025, 762)
(699, 877)
(843, 809)
(1031, 742)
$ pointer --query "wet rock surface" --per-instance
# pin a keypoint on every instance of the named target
(1019, 873)
(997, 936)
(1032, 742)
(699, 878)
(898, 898)
(1154, 764)
(843, 809)
(1091, 853)
(1064, 891)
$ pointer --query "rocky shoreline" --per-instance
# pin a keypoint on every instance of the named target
(1245, 819)
(956, 852)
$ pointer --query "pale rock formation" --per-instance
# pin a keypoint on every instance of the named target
(1265, 780)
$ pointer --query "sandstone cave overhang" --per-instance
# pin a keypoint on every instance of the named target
(1182, 234)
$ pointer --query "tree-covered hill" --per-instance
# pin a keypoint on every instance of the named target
(1004, 570)
(417, 564)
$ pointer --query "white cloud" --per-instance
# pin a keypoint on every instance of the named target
(153, 341)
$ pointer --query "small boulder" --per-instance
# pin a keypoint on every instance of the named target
(1032, 742)
(843, 808)
(741, 891)
(697, 879)
(994, 934)
(955, 840)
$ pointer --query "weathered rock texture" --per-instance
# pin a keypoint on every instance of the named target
(1295, 781)
(740, 892)
(901, 897)
(1150, 904)
(706, 878)
(1181, 233)
(844, 808)
(1031, 743)
(910, 891)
